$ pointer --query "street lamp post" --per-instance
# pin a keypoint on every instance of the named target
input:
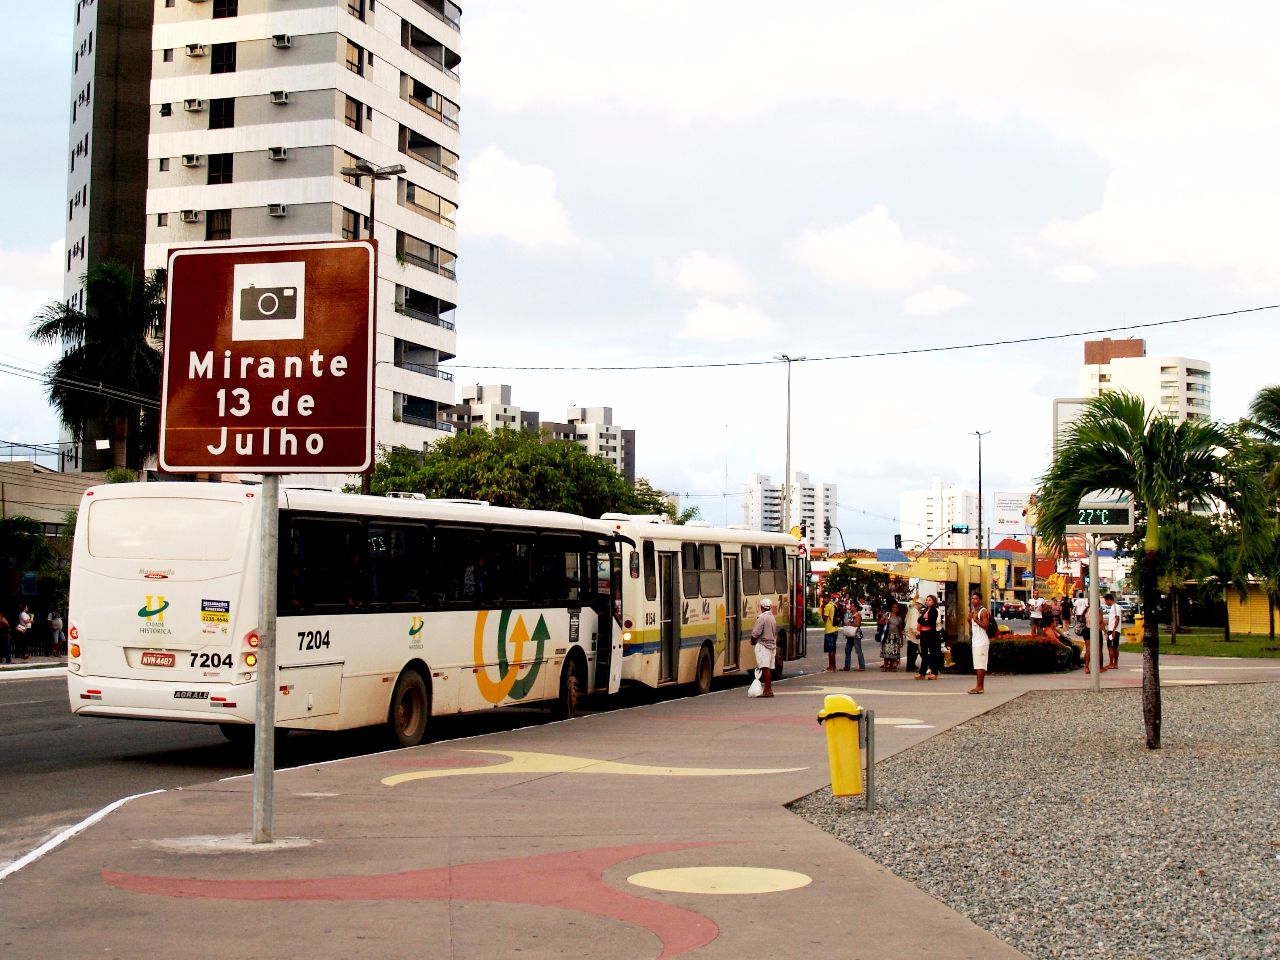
(980, 434)
(363, 168)
(786, 480)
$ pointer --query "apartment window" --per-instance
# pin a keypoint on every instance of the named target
(349, 161)
(433, 205)
(225, 8)
(1193, 372)
(220, 167)
(168, 3)
(168, 55)
(166, 109)
(356, 8)
(350, 224)
(355, 58)
(218, 225)
(222, 113)
(222, 58)
(164, 164)
(355, 114)
(162, 219)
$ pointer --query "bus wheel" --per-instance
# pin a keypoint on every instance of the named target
(407, 718)
(569, 699)
(702, 676)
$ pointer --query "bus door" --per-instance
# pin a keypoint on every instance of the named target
(609, 642)
(795, 595)
(668, 618)
(732, 612)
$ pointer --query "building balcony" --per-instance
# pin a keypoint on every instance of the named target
(444, 11)
(427, 151)
(426, 369)
(429, 49)
(425, 316)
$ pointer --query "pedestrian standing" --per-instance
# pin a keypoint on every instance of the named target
(891, 651)
(22, 628)
(57, 638)
(1079, 609)
(1035, 608)
(764, 637)
(852, 633)
(6, 640)
(911, 631)
(979, 642)
(829, 633)
(930, 640)
(1112, 633)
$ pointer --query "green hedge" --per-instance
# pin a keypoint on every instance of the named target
(1010, 654)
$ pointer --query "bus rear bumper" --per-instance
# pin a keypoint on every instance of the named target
(160, 700)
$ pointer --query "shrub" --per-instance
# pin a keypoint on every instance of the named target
(1014, 654)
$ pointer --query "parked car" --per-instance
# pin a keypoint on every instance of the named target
(1127, 610)
(1013, 610)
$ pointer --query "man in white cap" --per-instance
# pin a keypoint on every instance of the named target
(764, 637)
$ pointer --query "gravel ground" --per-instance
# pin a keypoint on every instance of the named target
(1048, 823)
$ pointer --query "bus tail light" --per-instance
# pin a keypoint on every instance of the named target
(74, 632)
(626, 637)
(251, 639)
(75, 650)
(250, 659)
(627, 624)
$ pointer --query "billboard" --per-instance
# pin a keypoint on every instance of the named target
(268, 359)
(1009, 517)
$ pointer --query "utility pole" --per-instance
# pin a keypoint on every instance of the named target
(980, 434)
(786, 480)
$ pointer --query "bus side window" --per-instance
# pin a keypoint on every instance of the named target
(766, 570)
(711, 577)
(689, 568)
(750, 570)
(325, 568)
(780, 569)
(650, 571)
(399, 557)
(513, 566)
(461, 569)
(557, 569)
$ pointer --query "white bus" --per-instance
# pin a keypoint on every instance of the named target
(690, 595)
(390, 610)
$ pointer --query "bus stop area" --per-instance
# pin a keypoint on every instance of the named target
(658, 831)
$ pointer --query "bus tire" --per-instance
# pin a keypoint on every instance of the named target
(409, 710)
(572, 689)
(702, 675)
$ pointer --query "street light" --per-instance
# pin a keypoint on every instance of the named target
(980, 434)
(786, 480)
(363, 168)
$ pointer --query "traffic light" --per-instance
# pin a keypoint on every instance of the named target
(897, 541)
(959, 528)
(826, 527)
(804, 529)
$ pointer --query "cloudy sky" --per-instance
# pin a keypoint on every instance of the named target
(718, 182)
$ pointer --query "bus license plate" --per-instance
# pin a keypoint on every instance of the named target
(153, 659)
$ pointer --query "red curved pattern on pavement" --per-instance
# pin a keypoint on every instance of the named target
(566, 881)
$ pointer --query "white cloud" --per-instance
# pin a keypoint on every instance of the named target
(713, 320)
(29, 279)
(710, 274)
(504, 198)
(872, 253)
(935, 301)
(1075, 273)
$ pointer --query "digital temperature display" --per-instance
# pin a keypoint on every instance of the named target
(1103, 517)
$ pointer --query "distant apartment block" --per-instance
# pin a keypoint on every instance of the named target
(926, 516)
(1177, 387)
(592, 428)
(813, 505)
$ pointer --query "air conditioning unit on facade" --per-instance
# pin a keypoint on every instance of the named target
(278, 153)
(279, 96)
(277, 210)
(193, 106)
(281, 40)
(190, 216)
(191, 159)
(197, 50)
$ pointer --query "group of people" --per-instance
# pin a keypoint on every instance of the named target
(1055, 617)
(917, 623)
(19, 638)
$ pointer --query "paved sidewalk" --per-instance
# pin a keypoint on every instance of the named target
(655, 832)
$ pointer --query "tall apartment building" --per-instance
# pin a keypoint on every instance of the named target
(1177, 387)
(926, 515)
(813, 505)
(592, 428)
(231, 121)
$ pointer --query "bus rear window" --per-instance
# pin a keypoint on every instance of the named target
(164, 528)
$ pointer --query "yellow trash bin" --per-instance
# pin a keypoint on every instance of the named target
(1133, 634)
(840, 715)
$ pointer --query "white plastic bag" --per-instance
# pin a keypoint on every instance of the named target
(756, 688)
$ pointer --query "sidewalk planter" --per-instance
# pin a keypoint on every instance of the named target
(1014, 654)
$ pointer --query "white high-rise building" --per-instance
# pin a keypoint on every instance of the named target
(1177, 387)
(247, 112)
(926, 515)
(813, 506)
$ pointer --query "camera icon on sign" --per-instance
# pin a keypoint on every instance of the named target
(268, 301)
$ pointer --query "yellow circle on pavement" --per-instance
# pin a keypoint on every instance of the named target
(720, 880)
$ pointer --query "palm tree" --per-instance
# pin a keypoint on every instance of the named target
(1263, 424)
(1117, 446)
(108, 377)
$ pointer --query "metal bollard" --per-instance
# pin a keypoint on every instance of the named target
(841, 716)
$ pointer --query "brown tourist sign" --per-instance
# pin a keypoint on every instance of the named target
(268, 359)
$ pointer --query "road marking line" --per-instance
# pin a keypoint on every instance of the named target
(23, 703)
(60, 838)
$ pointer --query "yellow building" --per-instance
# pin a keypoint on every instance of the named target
(1252, 615)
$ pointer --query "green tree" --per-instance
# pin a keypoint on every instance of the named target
(1116, 445)
(649, 499)
(107, 381)
(1263, 424)
(857, 581)
(1187, 543)
(509, 468)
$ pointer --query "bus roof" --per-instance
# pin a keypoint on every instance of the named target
(644, 529)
